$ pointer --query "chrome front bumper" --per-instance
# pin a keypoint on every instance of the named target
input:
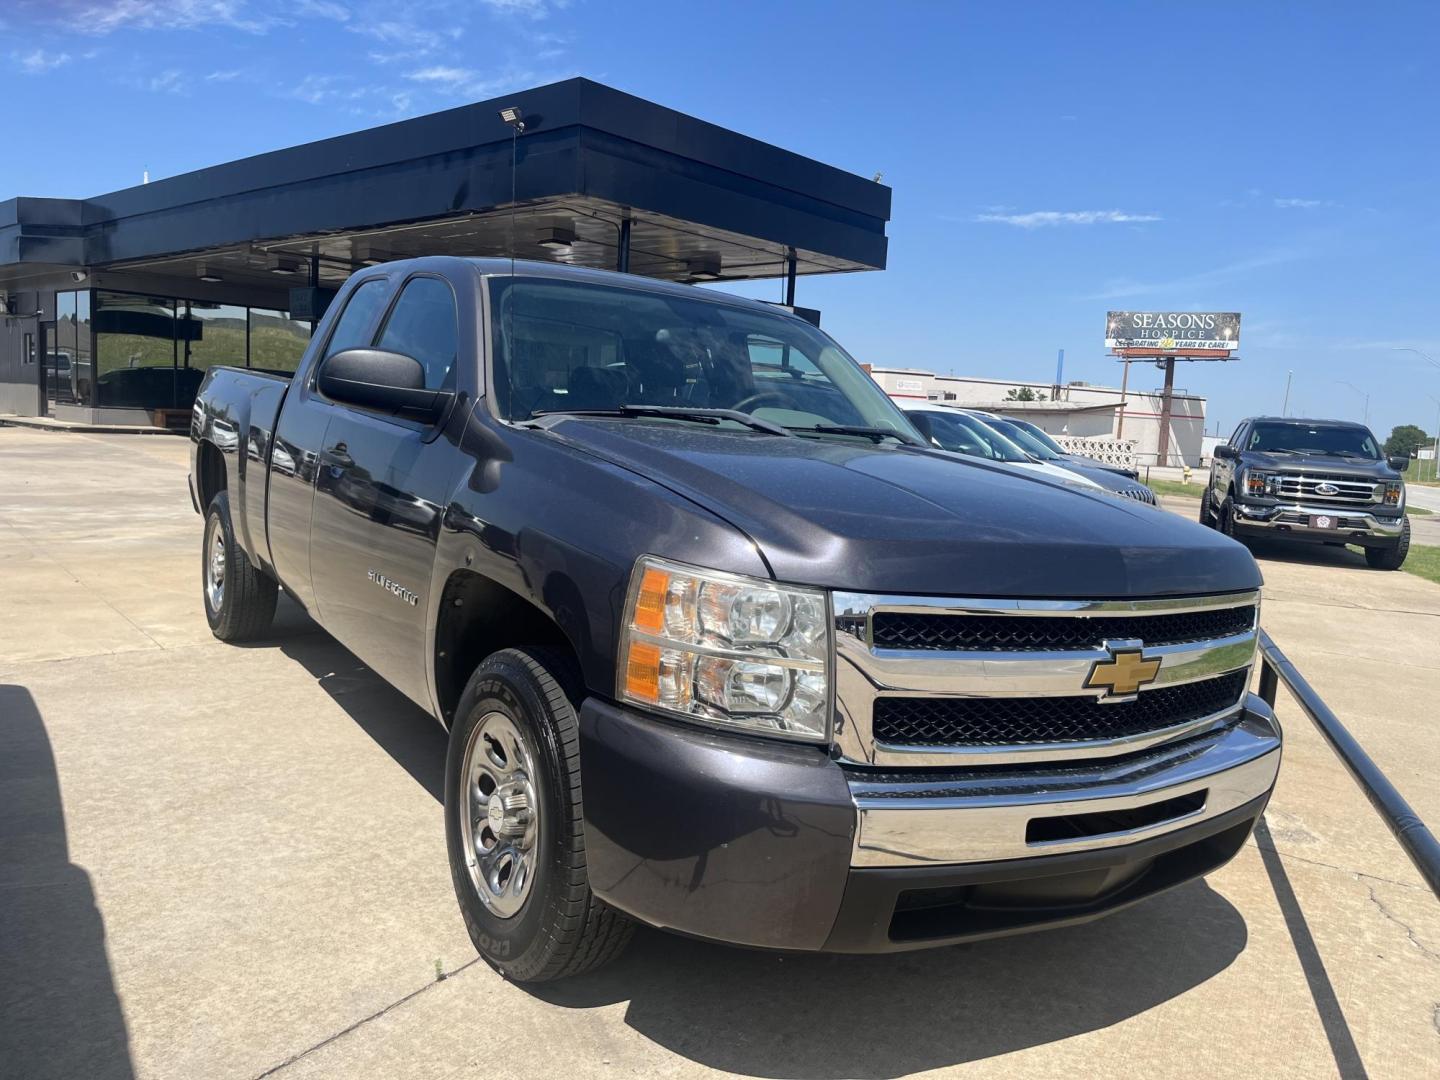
(1286, 518)
(932, 818)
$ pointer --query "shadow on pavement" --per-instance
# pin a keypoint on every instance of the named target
(812, 1016)
(1322, 991)
(401, 728)
(1308, 554)
(59, 1013)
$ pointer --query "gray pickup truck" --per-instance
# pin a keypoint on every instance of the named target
(1309, 481)
(722, 644)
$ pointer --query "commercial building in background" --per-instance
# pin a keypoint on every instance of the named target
(113, 307)
(1079, 410)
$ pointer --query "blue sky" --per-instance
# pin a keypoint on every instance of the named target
(1049, 161)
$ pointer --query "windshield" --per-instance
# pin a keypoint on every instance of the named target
(1303, 439)
(1022, 438)
(1041, 436)
(961, 434)
(565, 346)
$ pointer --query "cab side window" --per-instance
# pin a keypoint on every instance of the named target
(352, 329)
(1235, 438)
(423, 325)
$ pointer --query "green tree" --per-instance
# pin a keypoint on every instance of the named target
(1023, 393)
(1406, 439)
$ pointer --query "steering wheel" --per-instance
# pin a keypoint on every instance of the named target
(762, 395)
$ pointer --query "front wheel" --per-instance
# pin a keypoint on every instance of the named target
(1207, 516)
(514, 828)
(1393, 557)
(239, 598)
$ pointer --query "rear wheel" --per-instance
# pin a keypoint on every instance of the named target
(1393, 557)
(514, 825)
(239, 598)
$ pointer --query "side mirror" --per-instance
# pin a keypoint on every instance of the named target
(1398, 462)
(1226, 451)
(387, 382)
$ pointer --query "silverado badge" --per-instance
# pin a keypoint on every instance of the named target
(1124, 673)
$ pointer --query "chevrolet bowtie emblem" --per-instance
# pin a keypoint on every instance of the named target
(1124, 673)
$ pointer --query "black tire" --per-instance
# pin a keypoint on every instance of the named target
(1393, 557)
(1225, 519)
(1207, 518)
(562, 928)
(247, 599)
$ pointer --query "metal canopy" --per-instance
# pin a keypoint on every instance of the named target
(703, 203)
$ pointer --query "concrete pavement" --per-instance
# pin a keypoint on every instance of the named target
(229, 862)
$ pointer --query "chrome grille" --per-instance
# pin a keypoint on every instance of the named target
(1348, 489)
(1005, 633)
(1002, 721)
(924, 681)
(1139, 494)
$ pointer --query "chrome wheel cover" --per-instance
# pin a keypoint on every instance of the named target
(214, 557)
(499, 822)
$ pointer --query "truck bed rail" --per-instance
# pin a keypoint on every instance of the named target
(1412, 833)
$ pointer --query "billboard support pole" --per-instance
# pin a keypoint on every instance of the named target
(1124, 384)
(1165, 401)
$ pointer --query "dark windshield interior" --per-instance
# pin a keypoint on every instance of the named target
(1041, 436)
(1027, 442)
(961, 435)
(1304, 439)
(563, 346)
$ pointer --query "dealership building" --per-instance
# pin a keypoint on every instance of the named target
(1098, 414)
(113, 307)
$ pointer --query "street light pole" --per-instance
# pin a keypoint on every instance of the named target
(1285, 408)
(1435, 399)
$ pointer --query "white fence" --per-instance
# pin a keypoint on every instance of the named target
(1105, 451)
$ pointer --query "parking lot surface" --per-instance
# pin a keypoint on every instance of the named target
(229, 862)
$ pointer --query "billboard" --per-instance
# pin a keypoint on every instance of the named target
(1172, 331)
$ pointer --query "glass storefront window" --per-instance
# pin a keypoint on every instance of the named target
(209, 334)
(135, 351)
(84, 362)
(277, 342)
(60, 355)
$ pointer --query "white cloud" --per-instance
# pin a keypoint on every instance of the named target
(530, 9)
(323, 9)
(448, 76)
(223, 76)
(1037, 219)
(167, 82)
(1301, 204)
(38, 61)
(111, 15)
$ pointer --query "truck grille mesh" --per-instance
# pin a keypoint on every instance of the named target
(998, 721)
(1006, 633)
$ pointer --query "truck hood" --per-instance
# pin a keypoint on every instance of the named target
(865, 518)
(1319, 463)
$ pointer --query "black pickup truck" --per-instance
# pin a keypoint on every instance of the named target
(723, 645)
(1312, 481)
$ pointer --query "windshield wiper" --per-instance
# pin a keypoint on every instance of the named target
(677, 412)
(878, 434)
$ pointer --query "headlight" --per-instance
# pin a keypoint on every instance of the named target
(735, 651)
(1258, 483)
(1392, 492)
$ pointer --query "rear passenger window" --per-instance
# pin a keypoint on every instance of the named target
(422, 325)
(353, 327)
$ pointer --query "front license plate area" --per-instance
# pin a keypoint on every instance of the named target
(1322, 521)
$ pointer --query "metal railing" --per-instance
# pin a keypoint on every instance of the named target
(1414, 836)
